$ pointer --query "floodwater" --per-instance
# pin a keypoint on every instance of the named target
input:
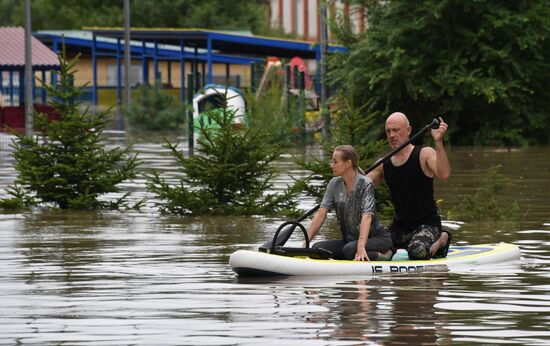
(117, 278)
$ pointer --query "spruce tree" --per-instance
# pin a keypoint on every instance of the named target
(66, 164)
(231, 174)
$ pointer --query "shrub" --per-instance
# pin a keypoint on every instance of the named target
(486, 203)
(230, 175)
(155, 110)
(65, 164)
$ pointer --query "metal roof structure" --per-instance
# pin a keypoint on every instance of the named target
(84, 40)
(12, 51)
(112, 46)
(226, 42)
(180, 45)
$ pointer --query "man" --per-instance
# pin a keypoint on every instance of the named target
(409, 174)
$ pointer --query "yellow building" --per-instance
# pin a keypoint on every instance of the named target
(105, 82)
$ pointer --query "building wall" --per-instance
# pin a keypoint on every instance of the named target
(106, 72)
(301, 17)
(107, 77)
(312, 16)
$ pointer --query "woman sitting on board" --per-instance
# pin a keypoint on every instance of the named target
(351, 193)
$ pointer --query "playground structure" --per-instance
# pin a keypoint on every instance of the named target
(215, 97)
(299, 99)
(299, 95)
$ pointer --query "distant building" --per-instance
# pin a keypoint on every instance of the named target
(12, 65)
(301, 17)
(12, 78)
(172, 56)
(149, 64)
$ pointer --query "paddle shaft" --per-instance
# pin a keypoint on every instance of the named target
(285, 235)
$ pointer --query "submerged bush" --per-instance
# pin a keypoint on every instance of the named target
(230, 175)
(276, 110)
(65, 164)
(487, 203)
(155, 110)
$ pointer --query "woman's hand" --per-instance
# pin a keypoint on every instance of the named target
(361, 254)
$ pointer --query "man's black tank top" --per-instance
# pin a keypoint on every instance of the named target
(412, 194)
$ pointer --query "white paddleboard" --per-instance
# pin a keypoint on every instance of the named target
(256, 263)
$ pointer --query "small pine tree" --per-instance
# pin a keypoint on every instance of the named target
(65, 164)
(154, 110)
(230, 174)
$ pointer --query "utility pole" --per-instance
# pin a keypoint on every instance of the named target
(127, 55)
(28, 70)
(127, 86)
(323, 75)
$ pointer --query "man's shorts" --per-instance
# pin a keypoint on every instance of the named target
(419, 241)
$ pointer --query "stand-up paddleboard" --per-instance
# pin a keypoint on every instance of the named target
(257, 263)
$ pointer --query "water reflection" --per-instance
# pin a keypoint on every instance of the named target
(383, 311)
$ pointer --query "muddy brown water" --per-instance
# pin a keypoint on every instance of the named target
(113, 278)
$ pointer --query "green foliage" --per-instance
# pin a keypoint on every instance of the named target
(154, 110)
(230, 175)
(487, 204)
(272, 112)
(20, 199)
(74, 14)
(65, 164)
(483, 65)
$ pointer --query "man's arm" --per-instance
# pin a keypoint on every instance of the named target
(437, 160)
(377, 175)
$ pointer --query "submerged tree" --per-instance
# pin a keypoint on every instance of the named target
(231, 174)
(66, 164)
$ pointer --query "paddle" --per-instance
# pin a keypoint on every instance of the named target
(282, 236)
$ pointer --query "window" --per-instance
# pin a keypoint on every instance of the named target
(135, 75)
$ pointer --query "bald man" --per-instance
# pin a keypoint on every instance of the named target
(409, 174)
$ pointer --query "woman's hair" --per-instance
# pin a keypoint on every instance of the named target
(350, 153)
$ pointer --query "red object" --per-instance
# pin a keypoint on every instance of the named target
(13, 118)
(296, 61)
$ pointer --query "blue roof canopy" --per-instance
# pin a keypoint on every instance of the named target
(105, 46)
(230, 43)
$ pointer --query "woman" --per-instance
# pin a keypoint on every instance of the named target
(351, 193)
